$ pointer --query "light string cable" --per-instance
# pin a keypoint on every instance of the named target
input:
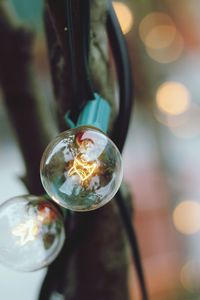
(88, 86)
(79, 50)
(124, 77)
(123, 64)
(54, 283)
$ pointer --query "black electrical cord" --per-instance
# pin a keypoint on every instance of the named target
(121, 59)
(88, 86)
(72, 54)
(55, 280)
(79, 26)
(123, 66)
(130, 230)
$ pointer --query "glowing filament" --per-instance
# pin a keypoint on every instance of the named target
(82, 168)
(26, 232)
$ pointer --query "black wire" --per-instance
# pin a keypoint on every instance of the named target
(72, 54)
(126, 216)
(54, 280)
(89, 89)
(121, 125)
(123, 64)
(78, 20)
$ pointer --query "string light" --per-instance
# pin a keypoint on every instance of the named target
(32, 233)
(81, 169)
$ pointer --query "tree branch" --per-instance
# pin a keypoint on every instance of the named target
(21, 96)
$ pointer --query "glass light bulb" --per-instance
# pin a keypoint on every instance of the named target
(32, 233)
(81, 169)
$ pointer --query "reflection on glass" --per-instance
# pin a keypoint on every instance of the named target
(26, 232)
(81, 169)
(32, 233)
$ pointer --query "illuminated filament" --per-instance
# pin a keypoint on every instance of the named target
(82, 168)
(27, 231)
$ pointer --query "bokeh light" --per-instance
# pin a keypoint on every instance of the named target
(189, 276)
(152, 20)
(186, 125)
(186, 217)
(168, 54)
(161, 38)
(124, 15)
(172, 98)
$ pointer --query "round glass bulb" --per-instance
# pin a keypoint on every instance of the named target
(32, 233)
(81, 169)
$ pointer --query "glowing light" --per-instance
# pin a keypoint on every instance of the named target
(172, 98)
(124, 15)
(27, 231)
(82, 168)
(186, 217)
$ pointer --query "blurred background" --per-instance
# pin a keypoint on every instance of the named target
(161, 157)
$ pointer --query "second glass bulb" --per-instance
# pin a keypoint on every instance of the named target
(32, 233)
